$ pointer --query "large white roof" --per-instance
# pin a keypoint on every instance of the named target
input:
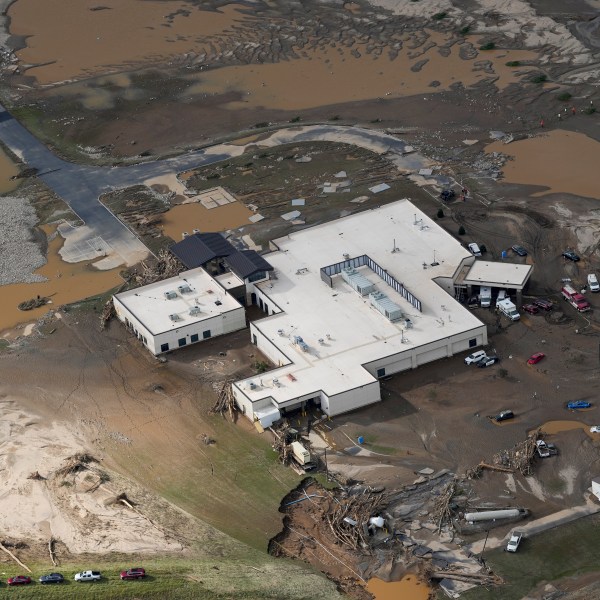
(498, 274)
(149, 304)
(358, 333)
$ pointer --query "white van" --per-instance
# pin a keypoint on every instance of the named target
(485, 297)
(501, 296)
(593, 283)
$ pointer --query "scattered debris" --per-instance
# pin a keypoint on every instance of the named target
(379, 188)
(225, 402)
(75, 464)
(290, 216)
(34, 303)
(36, 476)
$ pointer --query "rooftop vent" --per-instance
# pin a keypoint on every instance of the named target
(195, 231)
(174, 317)
(195, 311)
(185, 289)
(170, 295)
(184, 234)
(218, 302)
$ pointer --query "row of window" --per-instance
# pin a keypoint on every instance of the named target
(183, 341)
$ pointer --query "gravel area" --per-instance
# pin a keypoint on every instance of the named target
(20, 254)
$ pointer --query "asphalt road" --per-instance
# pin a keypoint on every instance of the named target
(81, 186)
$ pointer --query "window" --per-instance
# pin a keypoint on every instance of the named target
(254, 340)
(381, 372)
(182, 342)
(206, 334)
(194, 338)
(473, 343)
(258, 275)
(164, 347)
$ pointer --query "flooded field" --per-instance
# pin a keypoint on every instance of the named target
(7, 170)
(66, 282)
(74, 38)
(187, 217)
(409, 588)
(559, 160)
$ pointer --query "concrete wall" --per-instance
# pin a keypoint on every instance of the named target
(217, 325)
(352, 399)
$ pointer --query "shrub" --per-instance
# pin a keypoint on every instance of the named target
(590, 110)
(295, 120)
(539, 78)
(564, 96)
(488, 46)
(502, 373)
(513, 63)
(465, 30)
(261, 366)
(261, 125)
(334, 118)
(440, 213)
(461, 230)
(439, 16)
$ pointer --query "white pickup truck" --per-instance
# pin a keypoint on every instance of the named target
(88, 576)
(515, 540)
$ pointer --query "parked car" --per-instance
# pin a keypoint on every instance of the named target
(505, 415)
(474, 249)
(475, 357)
(595, 429)
(543, 304)
(19, 580)
(552, 449)
(515, 540)
(570, 255)
(519, 250)
(52, 578)
(531, 309)
(579, 404)
(133, 573)
(488, 361)
(447, 195)
(473, 302)
(88, 576)
(593, 283)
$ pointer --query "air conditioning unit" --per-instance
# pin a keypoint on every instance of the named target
(195, 311)
(174, 317)
(184, 234)
(171, 295)
(185, 289)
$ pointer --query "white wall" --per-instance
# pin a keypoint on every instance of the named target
(352, 399)
(264, 344)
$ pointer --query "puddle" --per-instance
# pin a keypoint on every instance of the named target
(553, 427)
(409, 588)
(333, 75)
(559, 160)
(67, 282)
(7, 170)
(186, 217)
(75, 38)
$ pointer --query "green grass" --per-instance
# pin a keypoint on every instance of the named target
(246, 578)
(562, 552)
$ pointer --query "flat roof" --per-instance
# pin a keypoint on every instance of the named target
(229, 280)
(497, 274)
(149, 304)
(339, 326)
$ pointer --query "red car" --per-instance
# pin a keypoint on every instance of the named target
(19, 580)
(530, 308)
(133, 573)
(543, 304)
(534, 359)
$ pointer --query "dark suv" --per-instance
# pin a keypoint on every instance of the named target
(570, 255)
(543, 304)
(504, 416)
(52, 578)
(519, 250)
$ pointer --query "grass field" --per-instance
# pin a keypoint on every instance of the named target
(568, 550)
(247, 578)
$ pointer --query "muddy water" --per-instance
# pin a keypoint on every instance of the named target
(67, 282)
(409, 588)
(7, 170)
(553, 427)
(73, 38)
(332, 75)
(562, 161)
(187, 217)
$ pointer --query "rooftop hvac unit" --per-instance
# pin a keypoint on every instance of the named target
(195, 311)
(185, 289)
(184, 234)
(174, 317)
(301, 343)
(171, 295)
(385, 306)
(195, 231)
(276, 383)
(252, 385)
(357, 281)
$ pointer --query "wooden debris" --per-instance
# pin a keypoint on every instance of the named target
(5, 549)
(75, 464)
(208, 441)
(36, 476)
(225, 402)
(52, 552)
(442, 512)
(108, 312)
(33, 303)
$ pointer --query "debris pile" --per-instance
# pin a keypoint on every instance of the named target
(33, 303)
(225, 402)
(75, 464)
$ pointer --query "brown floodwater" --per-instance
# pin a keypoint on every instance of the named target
(75, 38)
(186, 217)
(7, 170)
(408, 588)
(67, 282)
(552, 427)
(562, 161)
(332, 75)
